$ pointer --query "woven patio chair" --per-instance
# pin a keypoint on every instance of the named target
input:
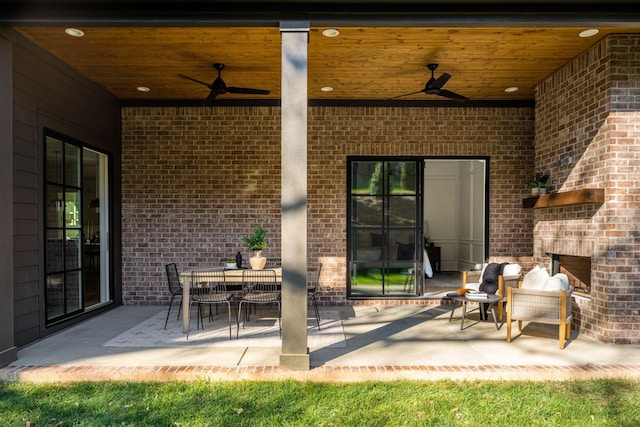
(549, 307)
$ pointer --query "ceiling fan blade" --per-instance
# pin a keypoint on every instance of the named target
(246, 90)
(451, 95)
(211, 97)
(194, 80)
(407, 94)
(428, 85)
(219, 87)
(440, 81)
(434, 86)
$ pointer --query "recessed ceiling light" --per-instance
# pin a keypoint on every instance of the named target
(74, 32)
(589, 33)
(511, 89)
(326, 89)
(142, 89)
(330, 32)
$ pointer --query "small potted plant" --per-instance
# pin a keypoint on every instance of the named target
(539, 184)
(256, 243)
(230, 263)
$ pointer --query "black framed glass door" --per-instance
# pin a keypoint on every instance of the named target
(384, 236)
(76, 254)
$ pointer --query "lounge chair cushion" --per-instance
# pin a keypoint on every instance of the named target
(511, 270)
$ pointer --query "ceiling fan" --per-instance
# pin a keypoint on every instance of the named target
(219, 87)
(434, 87)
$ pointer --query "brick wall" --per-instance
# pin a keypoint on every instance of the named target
(589, 110)
(195, 179)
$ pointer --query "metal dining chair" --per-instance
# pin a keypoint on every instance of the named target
(273, 263)
(312, 292)
(175, 288)
(209, 288)
(259, 287)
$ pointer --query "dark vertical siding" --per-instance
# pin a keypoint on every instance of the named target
(8, 350)
(49, 93)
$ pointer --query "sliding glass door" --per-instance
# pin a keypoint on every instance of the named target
(76, 227)
(384, 236)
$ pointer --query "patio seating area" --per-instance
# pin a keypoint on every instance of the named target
(380, 343)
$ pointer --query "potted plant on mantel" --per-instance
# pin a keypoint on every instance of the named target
(539, 184)
(257, 243)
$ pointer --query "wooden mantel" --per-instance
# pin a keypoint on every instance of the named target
(567, 198)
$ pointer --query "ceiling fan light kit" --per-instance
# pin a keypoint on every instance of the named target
(434, 86)
(219, 87)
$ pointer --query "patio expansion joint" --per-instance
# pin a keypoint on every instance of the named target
(322, 373)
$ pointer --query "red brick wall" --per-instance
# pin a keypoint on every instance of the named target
(589, 110)
(195, 179)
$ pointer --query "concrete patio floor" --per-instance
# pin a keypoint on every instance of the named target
(382, 343)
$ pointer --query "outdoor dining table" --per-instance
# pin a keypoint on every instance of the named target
(230, 276)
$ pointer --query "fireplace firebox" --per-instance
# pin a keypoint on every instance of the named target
(577, 268)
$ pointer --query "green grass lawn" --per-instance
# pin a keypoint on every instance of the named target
(611, 402)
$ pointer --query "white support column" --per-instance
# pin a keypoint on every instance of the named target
(295, 353)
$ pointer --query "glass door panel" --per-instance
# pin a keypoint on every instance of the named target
(73, 291)
(72, 250)
(384, 224)
(72, 208)
(54, 159)
(55, 295)
(55, 255)
(55, 206)
(368, 210)
(72, 165)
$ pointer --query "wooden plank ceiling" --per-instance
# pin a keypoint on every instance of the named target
(363, 63)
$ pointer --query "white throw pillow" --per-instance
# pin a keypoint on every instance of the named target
(553, 284)
(535, 279)
(558, 282)
(511, 270)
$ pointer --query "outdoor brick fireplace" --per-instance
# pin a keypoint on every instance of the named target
(597, 129)
(573, 257)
